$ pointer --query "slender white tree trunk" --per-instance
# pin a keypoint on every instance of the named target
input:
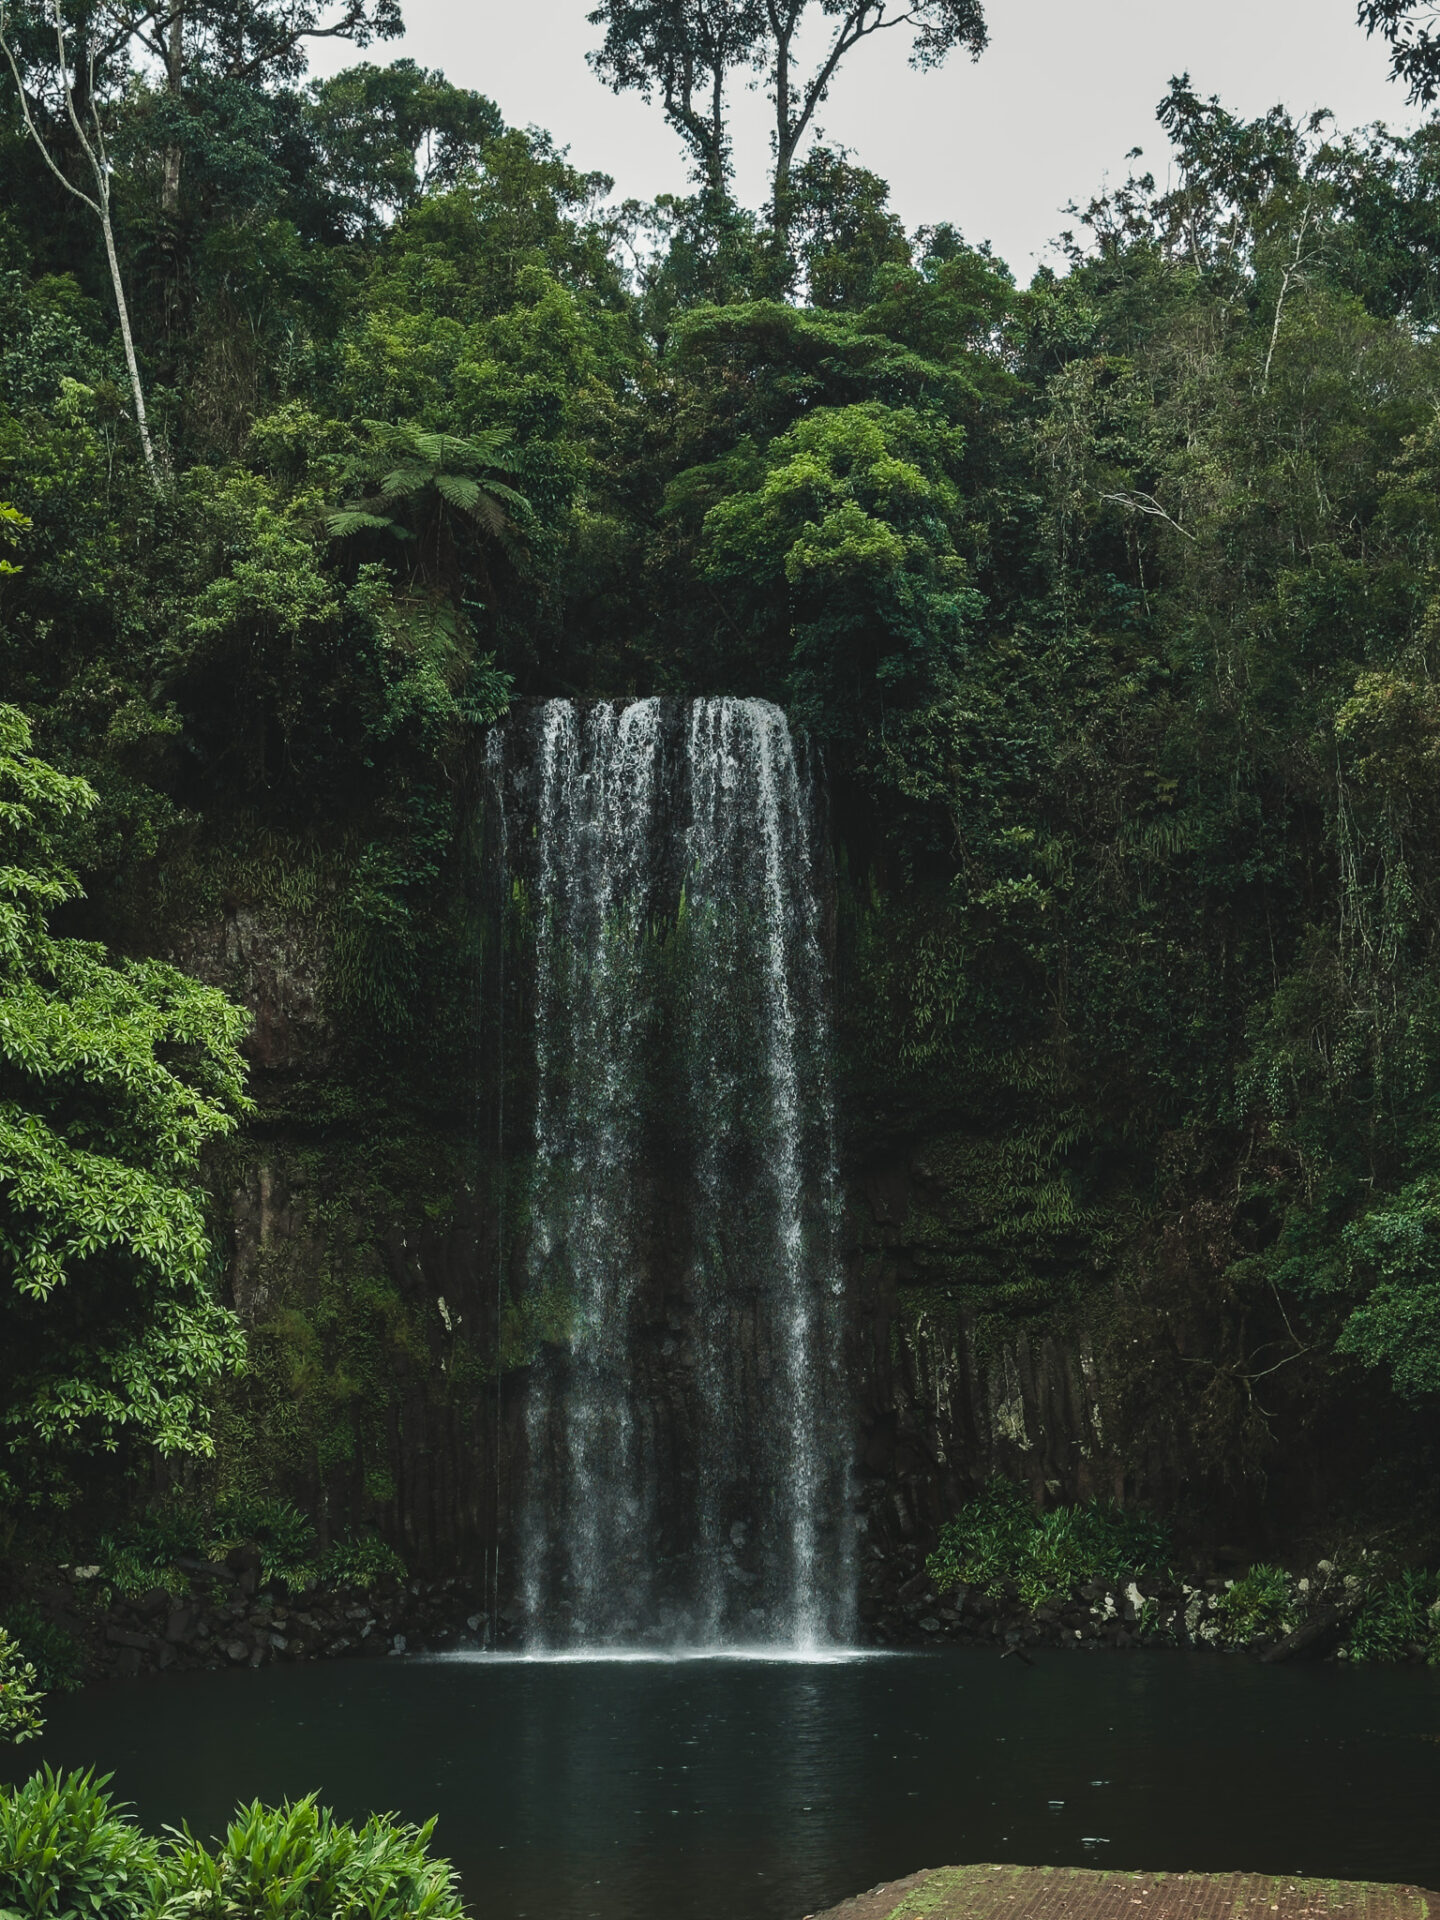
(99, 163)
(122, 307)
(1291, 274)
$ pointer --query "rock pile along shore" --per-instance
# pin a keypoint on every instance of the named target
(229, 1617)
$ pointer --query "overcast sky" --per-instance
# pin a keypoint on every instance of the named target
(998, 147)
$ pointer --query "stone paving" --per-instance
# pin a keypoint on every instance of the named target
(1073, 1893)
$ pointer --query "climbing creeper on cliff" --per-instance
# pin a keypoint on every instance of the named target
(114, 1078)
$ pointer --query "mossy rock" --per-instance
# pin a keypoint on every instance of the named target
(1076, 1893)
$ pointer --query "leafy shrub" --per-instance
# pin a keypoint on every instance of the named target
(283, 1534)
(998, 1538)
(118, 1076)
(55, 1655)
(360, 1561)
(148, 1553)
(131, 1571)
(985, 1544)
(1396, 1617)
(19, 1693)
(65, 1851)
(299, 1860)
(1260, 1603)
(1097, 1541)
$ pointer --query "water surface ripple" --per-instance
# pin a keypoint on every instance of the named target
(760, 1788)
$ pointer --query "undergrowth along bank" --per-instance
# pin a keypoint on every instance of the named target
(1119, 1564)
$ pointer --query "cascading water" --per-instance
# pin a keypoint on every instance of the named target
(677, 1284)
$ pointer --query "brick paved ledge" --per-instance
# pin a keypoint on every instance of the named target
(1074, 1893)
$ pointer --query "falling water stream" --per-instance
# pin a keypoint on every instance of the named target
(685, 1427)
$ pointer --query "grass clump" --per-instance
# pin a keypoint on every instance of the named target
(282, 1534)
(999, 1540)
(1398, 1619)
(1258, 1604)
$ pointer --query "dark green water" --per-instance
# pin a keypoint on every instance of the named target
(718, 1790)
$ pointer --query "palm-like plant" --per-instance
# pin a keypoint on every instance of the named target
(418, 484)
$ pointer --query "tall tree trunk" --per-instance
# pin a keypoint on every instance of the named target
(122, 308)
(77, 84)
(784, 137)
(175, 76)
(717, 134)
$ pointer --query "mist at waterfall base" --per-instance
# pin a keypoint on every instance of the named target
(748, 1790)
(672, 1266)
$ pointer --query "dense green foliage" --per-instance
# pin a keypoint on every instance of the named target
(1257, 1604)
(1111, 600)
(20, 1694)
(65, 1848)
(54, 1654)
(149, 1553)
(113, 1080)
(1399, 1619)
(1001, 1545)
(299, 1860)
(998, 1540)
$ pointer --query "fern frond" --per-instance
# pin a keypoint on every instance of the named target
(401, 482)
(460, 490)
(351, 520)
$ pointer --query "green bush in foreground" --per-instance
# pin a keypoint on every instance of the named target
(998, 1538)
(66, 1853)
(300, 1860)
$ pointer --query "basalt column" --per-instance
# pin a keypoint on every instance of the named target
(674, 1286)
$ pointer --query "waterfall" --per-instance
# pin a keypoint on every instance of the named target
(676, 1286)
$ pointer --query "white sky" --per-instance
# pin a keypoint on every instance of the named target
(998, 147)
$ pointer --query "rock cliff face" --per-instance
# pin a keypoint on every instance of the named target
(273, 963)
(1133, 1383)
(380, 1226)
(375, 1321)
